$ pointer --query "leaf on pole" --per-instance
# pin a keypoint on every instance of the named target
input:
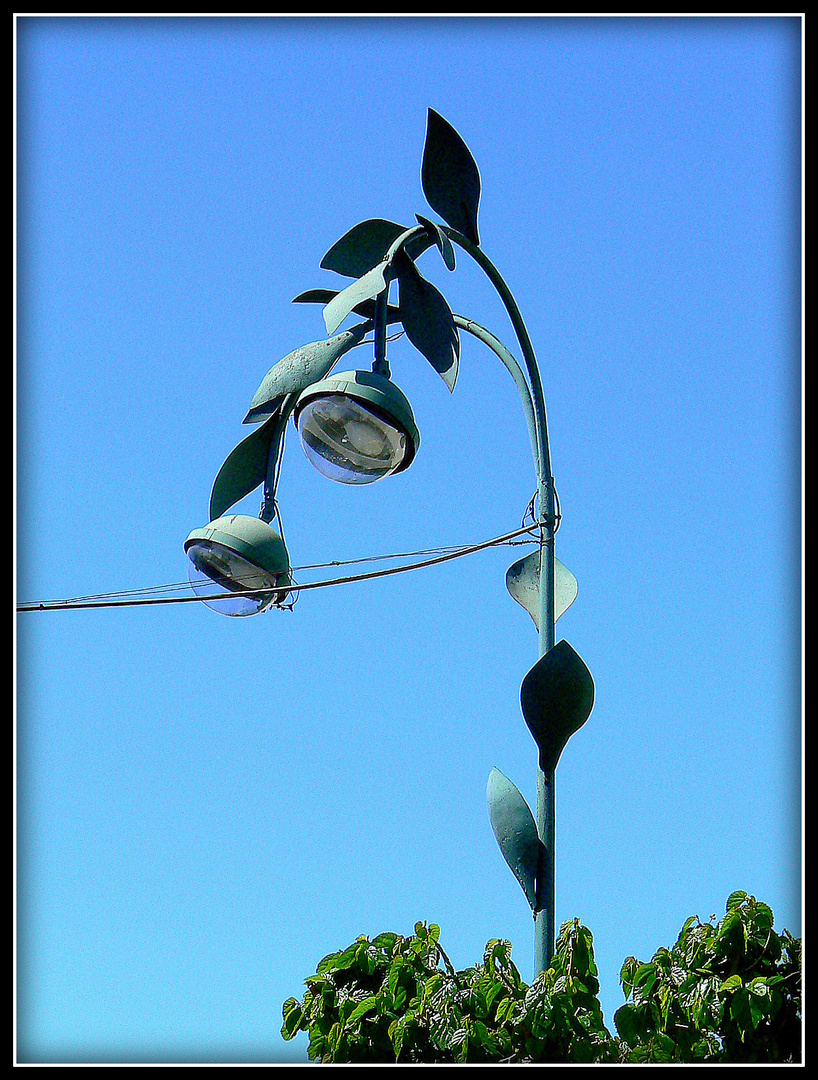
(444, 244)
(363, 247)
(523, 584)
(516, 832)
(246, 466)
(427, 320)
(556, 696)
(367, 287)
(450, 177)
(365, 309)
(300, 369)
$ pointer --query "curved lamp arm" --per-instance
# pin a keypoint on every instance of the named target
(537, 396)
(516, 372)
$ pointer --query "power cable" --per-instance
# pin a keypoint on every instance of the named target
(138, 598)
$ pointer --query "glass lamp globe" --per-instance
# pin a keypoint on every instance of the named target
(234, 554)
(356, 427)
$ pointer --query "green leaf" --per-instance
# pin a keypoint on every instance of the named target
(385, 941)
(362, 248)
(444, 244)
(515, 830)
(299, 369)
(626, 1020)
(367, 287)
(427, 320)
(365, 309)
(247, 465)
(450, 177)
(731, 984)
(292, 1013)
(366, 1006)
(557, 696)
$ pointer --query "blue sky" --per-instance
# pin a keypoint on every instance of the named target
(207, 806)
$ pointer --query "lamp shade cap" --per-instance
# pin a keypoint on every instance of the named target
(251, 538)
(372, 390)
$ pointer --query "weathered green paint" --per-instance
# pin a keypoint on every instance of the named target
(516, 832)
(523, 584)
(367, 287)
(305, 365)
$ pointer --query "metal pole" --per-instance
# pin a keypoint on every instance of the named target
(544, 918)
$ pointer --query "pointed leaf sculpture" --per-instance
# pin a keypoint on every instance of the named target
(300, 369)
(367, 287)
(523, 583)
(556, 696)
(366, 244)
(246, 466)
(516, 832)
(450, 177)
(427, 320)
(363, 247)
(366, 309)
(441, 239)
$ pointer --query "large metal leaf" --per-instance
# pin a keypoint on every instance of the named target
(246, 467)
(366, 309)
(427, 320)
(523, 583)
(367, 287)
(556, 696)
(450, 177)
(516, 832)
(363, 247)
(444, 244)
(366, 244)
(300, 369)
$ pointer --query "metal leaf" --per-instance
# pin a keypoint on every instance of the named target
(427, 320)
(363, 247)
(246, 467)
(366, 309)
(523, 583)
(366, 244)
(441, 239)
(367, 287)
(300, 369)
(450, 177)
(556, 696)
(516, 832)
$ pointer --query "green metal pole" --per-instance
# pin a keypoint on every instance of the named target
(544, 917)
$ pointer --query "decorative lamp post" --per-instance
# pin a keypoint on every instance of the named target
(357, 427)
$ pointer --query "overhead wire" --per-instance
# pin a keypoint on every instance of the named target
(147, 596)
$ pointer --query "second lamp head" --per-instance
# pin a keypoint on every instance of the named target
(356, 427)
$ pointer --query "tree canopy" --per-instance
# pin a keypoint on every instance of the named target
(726, 992)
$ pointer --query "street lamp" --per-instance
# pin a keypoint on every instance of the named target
(358, 427)
(238, 565)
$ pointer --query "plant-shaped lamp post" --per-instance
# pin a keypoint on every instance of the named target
(357, 427)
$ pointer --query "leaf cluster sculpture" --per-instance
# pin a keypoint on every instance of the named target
(557, 694)
(374, 253)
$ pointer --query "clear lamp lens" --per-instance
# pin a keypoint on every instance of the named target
(217, 573)
(347, 442)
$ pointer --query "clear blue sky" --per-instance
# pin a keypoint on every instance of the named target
(207, 806)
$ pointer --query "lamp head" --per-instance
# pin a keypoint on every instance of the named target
(356, 427)
(234, 554)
